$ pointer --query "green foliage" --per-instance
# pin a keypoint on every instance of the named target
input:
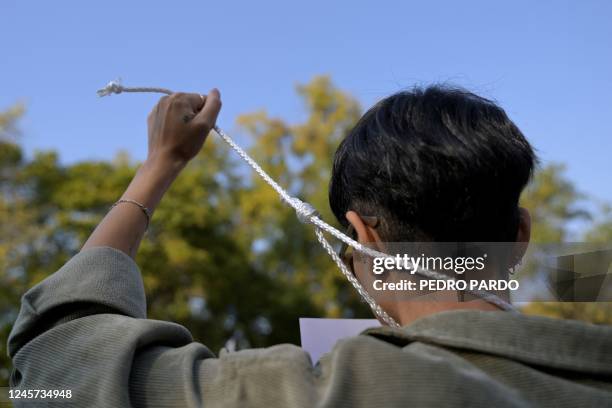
(8, 121)
(602, 230)
(300, 157)
(552, 201)
(223, 256)
(597, 313)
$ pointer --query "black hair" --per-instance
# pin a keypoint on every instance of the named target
(434, 164)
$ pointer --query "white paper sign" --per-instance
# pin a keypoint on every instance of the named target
(318, 336)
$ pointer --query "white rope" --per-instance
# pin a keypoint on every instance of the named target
(308, 214)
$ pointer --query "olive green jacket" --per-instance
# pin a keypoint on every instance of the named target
(85, 329)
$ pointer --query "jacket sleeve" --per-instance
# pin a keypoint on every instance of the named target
(84, 329)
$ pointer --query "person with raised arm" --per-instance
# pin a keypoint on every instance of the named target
(449, 167)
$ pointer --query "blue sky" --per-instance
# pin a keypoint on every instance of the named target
(548, 63)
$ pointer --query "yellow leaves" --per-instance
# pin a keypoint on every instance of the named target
(593, 312)
(177, 251)
(332, 114)
(552, 201)
(299, 157)
(10, 154)
(180, 254)
(319, 95)
(201, 241)
(8, 120)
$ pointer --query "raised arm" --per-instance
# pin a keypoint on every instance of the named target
(178, 126)
(80, 328)
(83, 331)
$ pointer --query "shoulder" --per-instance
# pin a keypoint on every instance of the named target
(377, 372)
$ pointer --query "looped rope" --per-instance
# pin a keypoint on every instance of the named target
(303, 210)
(306, 213)
(110, 88)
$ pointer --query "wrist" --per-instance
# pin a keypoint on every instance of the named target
(152, 180)
(164, 165)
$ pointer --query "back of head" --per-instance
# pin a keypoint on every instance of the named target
(434, 164)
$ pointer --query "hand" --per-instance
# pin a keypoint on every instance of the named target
(179, 124)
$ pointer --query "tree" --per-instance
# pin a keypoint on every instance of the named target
(223, 256)
(300, 157)
(553, 202)
(17, 229)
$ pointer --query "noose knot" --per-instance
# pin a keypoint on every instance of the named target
(111, 88)
(303, 210)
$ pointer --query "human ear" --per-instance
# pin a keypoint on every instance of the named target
(365, 233)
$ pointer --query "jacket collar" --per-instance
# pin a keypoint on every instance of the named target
(555, 343)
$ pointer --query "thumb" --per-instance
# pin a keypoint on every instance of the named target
(207, 117)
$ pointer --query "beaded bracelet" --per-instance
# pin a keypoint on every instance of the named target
(144, 209)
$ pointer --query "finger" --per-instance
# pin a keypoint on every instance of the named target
(193, 101)
(162, 100)
(153, 115)
(207, 116)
